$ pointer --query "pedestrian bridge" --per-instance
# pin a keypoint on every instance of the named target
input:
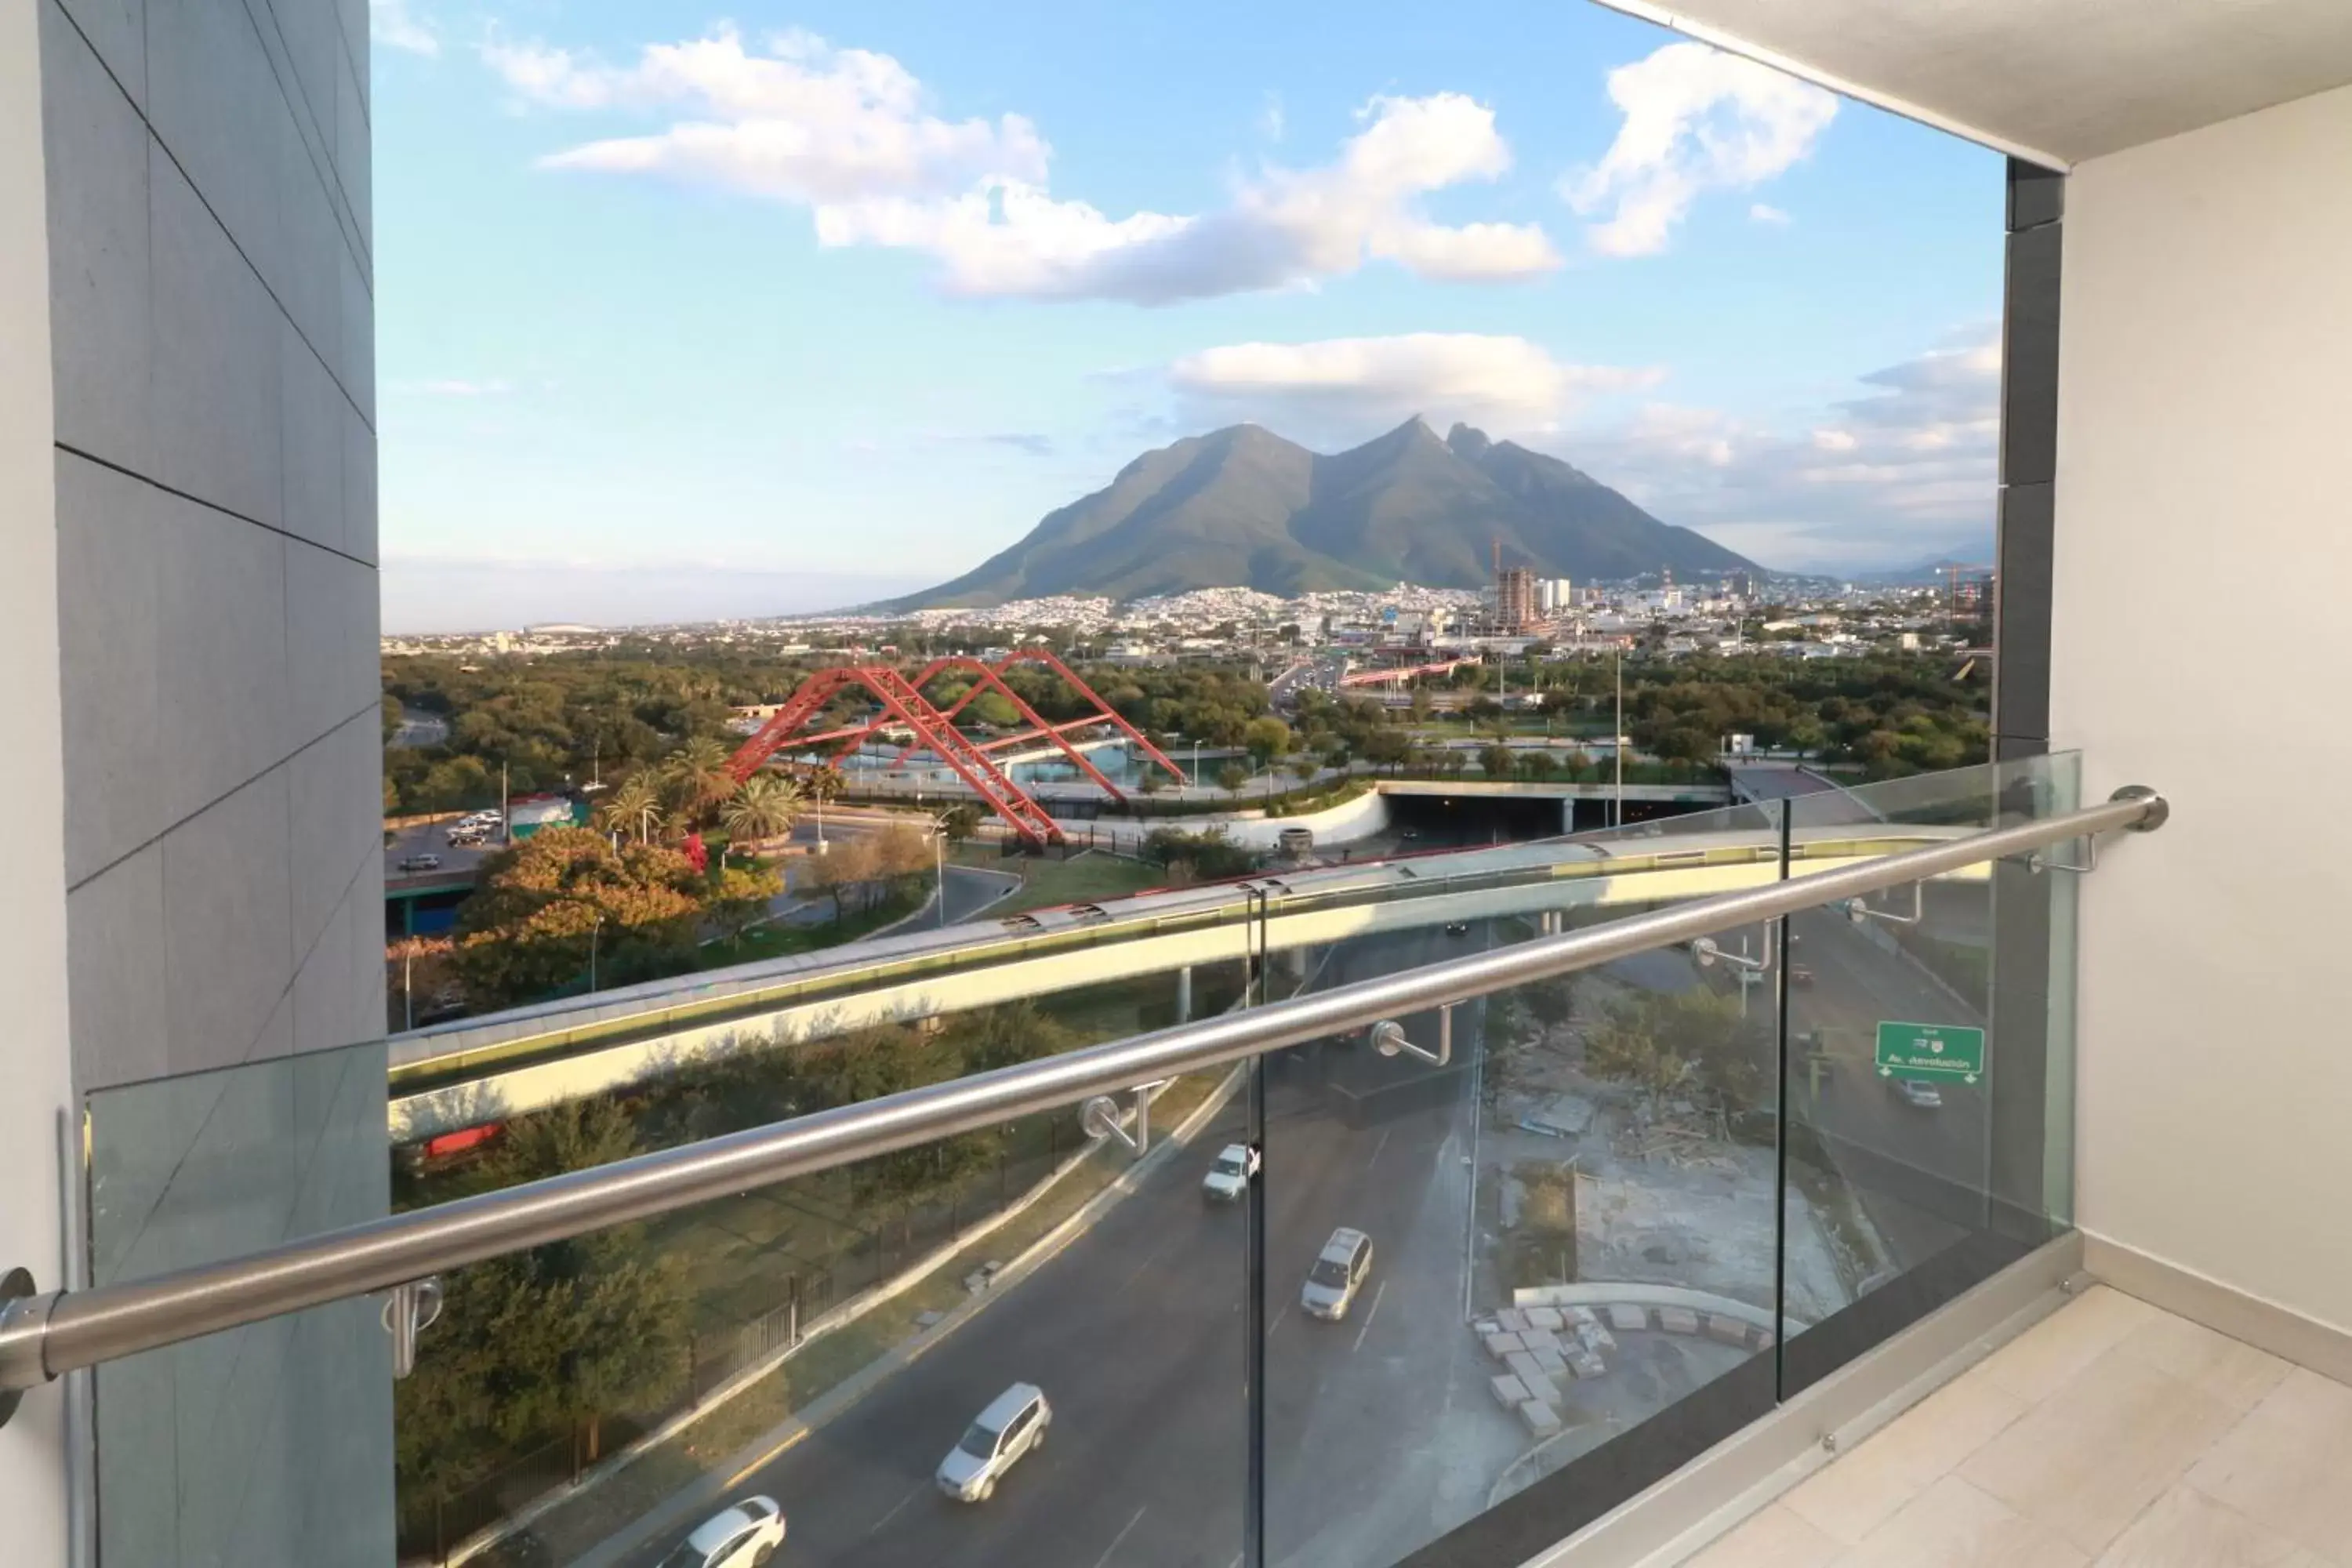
(479, 1070)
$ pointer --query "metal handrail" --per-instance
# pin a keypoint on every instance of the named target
(42, 1336)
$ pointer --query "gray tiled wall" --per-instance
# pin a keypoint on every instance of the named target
(213, 331)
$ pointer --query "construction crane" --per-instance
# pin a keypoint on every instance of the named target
(1952, 572)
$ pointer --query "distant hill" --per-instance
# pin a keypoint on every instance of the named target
(1244, 507)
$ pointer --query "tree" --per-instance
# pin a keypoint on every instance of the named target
(697, 778)
(547, 901)
(1391, 749)
(547, 1341)
(1232, 778)
(635, 806)
(765, 807)
(1265, 739)
(739, 898)
(962, 822)
(1690, 1043)
(1538, 766)
(1498, 761)
(847, 867)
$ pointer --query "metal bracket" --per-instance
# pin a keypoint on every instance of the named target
(1100, 1119)
(408, 1311)
(2040, 861)
(1389, 1040)
(1708, 951)
(1859, 910)
(17, 1288)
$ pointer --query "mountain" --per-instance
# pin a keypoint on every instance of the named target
(1244, 507)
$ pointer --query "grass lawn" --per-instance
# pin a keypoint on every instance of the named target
(1081, 880)
(778, 939)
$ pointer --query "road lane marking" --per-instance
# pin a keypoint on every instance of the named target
(1102, 1561)
(896, 1507)
(1377, 1147)
(1151, 1258)
(1277, 1319)
(1370, 1313)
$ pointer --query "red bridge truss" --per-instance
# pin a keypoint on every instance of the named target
(899, 700)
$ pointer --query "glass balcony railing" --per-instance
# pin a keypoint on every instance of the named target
(1401, 1221)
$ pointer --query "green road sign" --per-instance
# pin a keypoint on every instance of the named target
(1930, 1050)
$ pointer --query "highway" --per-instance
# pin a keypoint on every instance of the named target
(1856, 985)
(1136, 1333)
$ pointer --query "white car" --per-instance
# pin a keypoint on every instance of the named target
(743, 1536)
(1229, 1178)
(1923, 1096)
(1013, 1426)
(1344, 1263)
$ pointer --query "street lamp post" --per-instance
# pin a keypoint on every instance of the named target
(595, 935)
(1618, 749)
(939, 860)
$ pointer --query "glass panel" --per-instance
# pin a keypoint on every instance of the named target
(1930, 1051)
(829, 1344)
(267, 1444)
(1573, 1223)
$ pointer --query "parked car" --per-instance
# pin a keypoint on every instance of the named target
(1338, 1272)
(1011, 1427)
(1924, 1095)
(421, 863)
(1229, 1178)
(743, 1536)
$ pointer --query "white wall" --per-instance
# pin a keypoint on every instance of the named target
(35, 1057)
(2204, 540)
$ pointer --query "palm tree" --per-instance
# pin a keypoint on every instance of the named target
(698, 777)
(635, 806)
(765, 807)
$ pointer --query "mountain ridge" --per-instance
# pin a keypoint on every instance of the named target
(1243, 507)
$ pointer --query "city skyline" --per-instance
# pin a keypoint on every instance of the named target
(705, 319)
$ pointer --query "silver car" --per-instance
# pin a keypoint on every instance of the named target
(1340, 1271)
(1013, 1426)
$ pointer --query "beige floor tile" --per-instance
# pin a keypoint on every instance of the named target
(1862, 1490)
(2040, 1361)
(2288, 1465)
(1953, 1525)
(2185, 1528)
(2231, 1370)
(2103, 1448)
(1773, 1539)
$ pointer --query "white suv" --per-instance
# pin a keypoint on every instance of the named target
(1340, 1271)
(1229, 1178)
(745, 1536)
(1012, 1425)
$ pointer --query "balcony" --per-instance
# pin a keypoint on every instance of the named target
(1462, 1212)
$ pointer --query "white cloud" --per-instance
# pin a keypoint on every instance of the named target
(804, 122)
(1888, 479)
(1270, 123)
(848, 133)
(393, 25)
(1344, 389)
(1695, 120)
(1771, 216)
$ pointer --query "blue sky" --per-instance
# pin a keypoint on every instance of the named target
(683, 313)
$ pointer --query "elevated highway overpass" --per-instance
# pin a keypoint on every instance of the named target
(467, 1073)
